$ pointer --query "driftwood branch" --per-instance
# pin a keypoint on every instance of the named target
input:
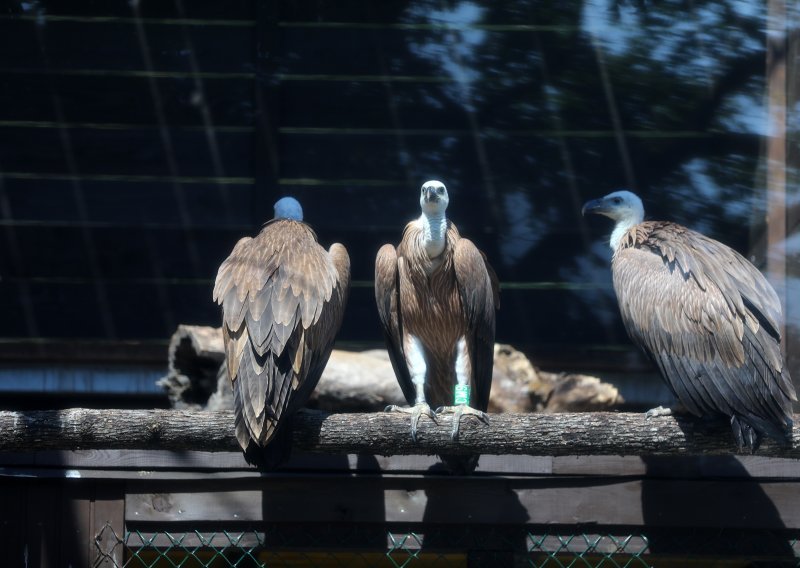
(379, 433)
(364, 381)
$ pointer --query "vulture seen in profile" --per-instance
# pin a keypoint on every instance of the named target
(707, 318)
(437, 297)
(282, 297)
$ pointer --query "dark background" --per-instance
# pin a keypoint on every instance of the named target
(139, 140)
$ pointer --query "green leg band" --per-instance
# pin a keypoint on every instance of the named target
(462, 394)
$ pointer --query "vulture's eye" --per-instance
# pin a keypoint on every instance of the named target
(617, 200)
(440, 190)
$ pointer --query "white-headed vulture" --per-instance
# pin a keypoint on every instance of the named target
(437, 297)
(706, 317)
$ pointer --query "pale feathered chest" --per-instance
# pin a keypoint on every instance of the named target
(429, 296)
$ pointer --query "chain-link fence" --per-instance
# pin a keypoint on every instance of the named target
(326, 545)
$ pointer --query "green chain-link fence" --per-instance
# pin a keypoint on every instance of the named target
(400, 547)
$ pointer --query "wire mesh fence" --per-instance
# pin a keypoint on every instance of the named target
(325, 545)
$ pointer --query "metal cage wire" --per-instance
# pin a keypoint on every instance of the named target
(535, 546)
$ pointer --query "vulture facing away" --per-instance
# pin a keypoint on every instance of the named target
(437, 297)
(707, 318)
(282, 297)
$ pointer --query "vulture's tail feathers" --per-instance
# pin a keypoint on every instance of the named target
(276, 452)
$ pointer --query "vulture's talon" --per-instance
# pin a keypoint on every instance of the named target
(458, 412)
(415, 411)
(657, 411)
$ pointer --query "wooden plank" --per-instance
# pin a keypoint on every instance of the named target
(108, 525)
(652, 502)
(694, 467)
(42, 525)
(138, 460)
(155, 464)
(611, 466)
(22, 472)
(75, 520)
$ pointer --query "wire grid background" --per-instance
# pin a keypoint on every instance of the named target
(536, 546)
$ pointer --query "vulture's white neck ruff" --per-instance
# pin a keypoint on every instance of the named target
(629, 214)
(620, 229)
(434, 233)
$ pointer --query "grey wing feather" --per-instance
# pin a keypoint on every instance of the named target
(712, 332)
(387, 298)
(479, 294)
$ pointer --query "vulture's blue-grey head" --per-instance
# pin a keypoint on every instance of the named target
(622, 206)
(288, 208)
(433, 198)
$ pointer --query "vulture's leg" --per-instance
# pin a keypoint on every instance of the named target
(461, 405)
(417, 368)
(746, 436)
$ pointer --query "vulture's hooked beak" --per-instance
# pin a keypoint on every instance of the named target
(431, 196)
(598, 206)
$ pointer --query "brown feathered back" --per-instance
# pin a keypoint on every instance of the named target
(283, 298)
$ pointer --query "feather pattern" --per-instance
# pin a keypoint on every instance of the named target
(713, 331)
(438, 301)
(282, 298)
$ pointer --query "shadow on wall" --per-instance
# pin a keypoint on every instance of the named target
(710, 506)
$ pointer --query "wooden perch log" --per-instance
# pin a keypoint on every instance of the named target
(364, 381)
(379, 433)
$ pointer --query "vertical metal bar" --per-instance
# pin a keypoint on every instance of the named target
(267, 157)
(776, 148)
(793, 190)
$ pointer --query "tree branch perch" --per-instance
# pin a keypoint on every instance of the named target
(379, 433)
